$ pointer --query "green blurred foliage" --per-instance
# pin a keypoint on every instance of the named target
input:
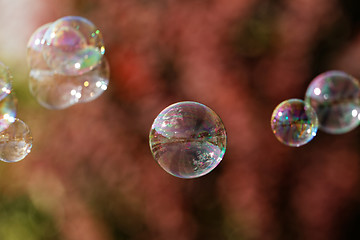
(19, 219)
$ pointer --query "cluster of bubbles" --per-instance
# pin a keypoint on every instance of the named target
(15, 135)
(67, 63)
(188, 139)
(332, 104)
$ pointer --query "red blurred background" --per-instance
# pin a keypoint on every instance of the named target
(91, 175)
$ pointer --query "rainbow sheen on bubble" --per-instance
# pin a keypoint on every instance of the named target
(293, 124)
(7, 111)
(72, 46)
(188, 139)
(5, 81)
(55, 91)
(15, 142)
(335, 97)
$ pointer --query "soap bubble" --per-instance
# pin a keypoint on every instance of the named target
(15, 142)
(334, 96)
(52, 48)
(7, 111)
(294, 124)
(73, 46)
(35, 45)
(188, 139)
(54, 91)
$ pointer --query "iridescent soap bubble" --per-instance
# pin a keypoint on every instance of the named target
(188, 139)
(15, 142)
(7, 111)
(5, 81)
(73, 46)
(51, 48)
(55, 91)
(334, 95)
(293, 123)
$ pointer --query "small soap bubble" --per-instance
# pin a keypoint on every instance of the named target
(15, 142)
(334, 95)
(73, 46)
(188, 139)
(35, 44)
(293, 123)
(55, 91)
(7, 111)
(5, 81)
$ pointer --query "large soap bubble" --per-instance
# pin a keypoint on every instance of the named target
(188, 139)
(67, 64)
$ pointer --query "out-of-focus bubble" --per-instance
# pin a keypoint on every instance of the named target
(5, 81)
(335, 97)
(7, 111)
(63, 69)
(15, 142)
(294, 124)
(35, 44)
(51, 91)
(188, 139)
(73, 46)
(55, 91)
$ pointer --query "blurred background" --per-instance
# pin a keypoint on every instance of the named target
(91, 175)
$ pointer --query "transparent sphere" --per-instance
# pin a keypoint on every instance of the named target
(5, 81)
(7, 111)
(55, 91)
(188, 139)
(15, 142)
(334, 96)
(294, 124)
(73, 46)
